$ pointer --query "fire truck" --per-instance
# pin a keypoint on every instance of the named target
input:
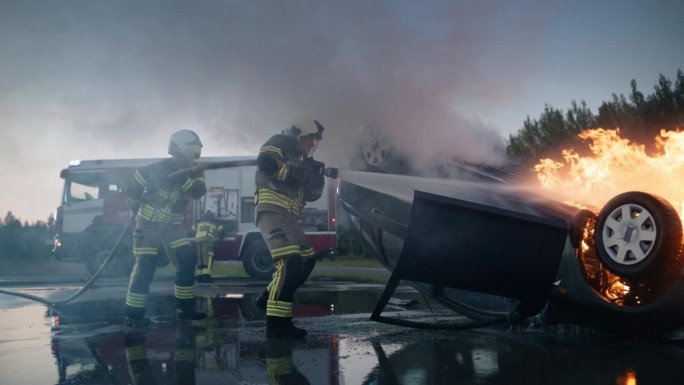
(94, 215)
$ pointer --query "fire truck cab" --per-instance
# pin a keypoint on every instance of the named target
(94, 213)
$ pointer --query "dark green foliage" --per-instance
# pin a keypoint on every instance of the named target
(639, 118)
(20, 242)
(539, 138)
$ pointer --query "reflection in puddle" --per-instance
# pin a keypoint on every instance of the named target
(25, 340)
(89, 346)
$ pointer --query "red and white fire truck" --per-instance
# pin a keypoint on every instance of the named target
(94, 213)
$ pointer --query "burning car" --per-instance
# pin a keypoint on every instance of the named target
(501, 252)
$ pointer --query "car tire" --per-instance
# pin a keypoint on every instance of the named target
(257, 261)
(579, 222)
(639, 236)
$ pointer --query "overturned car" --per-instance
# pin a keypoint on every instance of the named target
(498, 252)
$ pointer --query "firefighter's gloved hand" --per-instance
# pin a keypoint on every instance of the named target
(300, 174)
(317, 181)
(320, 169)
(317, 168)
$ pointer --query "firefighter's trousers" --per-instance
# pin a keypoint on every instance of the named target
(149, 239)
(293, 259)
(205, 257)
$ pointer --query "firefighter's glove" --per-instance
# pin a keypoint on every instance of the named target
(300, 174)
(317, 181)
(317, 168)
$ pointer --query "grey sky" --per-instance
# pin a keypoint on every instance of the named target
(112, 79)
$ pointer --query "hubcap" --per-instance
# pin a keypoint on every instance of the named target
(629, 234)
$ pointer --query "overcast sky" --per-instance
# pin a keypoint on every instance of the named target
(88, 79)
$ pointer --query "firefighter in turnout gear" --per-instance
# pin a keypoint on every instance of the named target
(287, 177)
(207, 230)
(160, 195)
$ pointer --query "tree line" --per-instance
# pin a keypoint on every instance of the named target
(639, 118)
(24, 241)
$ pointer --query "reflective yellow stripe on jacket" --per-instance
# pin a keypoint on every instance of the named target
(159, 215)
(266, 196)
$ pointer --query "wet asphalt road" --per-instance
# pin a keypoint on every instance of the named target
(84, 342)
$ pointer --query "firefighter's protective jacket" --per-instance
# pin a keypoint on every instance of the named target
(158, 198)
(207, 228)
(284, 184)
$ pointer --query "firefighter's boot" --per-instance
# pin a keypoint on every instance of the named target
(204, 278)
(261, 300)
(186, 311)
(282, 327)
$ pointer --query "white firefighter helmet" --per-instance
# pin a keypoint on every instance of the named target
(305, 127)
(305, 130)
(185, 143)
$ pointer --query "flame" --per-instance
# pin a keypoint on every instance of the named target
(628, 378)
(617, 289)
(616, 166)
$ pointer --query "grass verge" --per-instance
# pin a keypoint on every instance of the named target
(234, 270)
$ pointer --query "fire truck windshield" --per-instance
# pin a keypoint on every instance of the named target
(84, 186)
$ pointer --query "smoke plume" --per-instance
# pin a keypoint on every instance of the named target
(115, 79)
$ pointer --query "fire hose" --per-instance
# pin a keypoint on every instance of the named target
(88, 284)
(330, 172)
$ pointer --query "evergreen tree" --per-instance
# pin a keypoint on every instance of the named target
(539, 138)
(639, 118)
(27, 241)
(10, 237)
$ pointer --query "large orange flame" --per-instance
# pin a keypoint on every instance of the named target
(616, 166)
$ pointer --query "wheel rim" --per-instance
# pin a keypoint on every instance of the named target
(629, 234)
(375, 150)
(263, 262)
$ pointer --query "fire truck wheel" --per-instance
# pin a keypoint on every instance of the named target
(98, 241)
(257, 261)
(639, 237)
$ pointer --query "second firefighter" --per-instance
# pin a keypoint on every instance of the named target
(287, 177)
